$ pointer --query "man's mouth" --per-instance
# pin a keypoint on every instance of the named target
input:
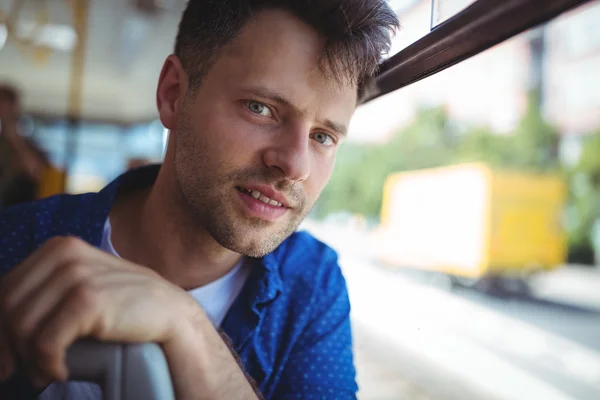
(259, 196)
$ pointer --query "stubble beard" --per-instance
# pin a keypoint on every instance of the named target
(209, 201)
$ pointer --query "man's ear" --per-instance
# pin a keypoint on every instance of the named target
(172, 89)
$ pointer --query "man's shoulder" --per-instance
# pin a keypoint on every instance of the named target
(304, 258)
(33, 213)
(302, 245)
(25, 227)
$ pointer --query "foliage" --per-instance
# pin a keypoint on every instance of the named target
(535, 142)
(533, 146)
(357, 183)
(584, 182)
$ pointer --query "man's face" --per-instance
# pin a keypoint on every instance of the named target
(256, 144)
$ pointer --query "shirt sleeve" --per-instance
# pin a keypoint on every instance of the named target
(13, 249)
(321, 364)
(15, 238)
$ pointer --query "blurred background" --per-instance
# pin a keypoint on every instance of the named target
(465, 208)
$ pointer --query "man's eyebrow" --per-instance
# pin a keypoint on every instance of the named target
(271, 95)
(279, 98)
(340, 129)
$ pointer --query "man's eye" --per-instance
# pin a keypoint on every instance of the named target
(323, 138)
(258, 108)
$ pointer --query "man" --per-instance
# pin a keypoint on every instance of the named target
(258, 97)
(21, 161)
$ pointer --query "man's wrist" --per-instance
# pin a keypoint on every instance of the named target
(190, 360)
(199, 357)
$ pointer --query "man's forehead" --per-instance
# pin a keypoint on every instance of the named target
(285, 58)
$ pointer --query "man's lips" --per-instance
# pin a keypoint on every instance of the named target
(266, 194)
(259, 208)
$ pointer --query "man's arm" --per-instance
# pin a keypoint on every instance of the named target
(203, 366)
(67, 290)
(321, 364)
(240, 363)
(187, 365)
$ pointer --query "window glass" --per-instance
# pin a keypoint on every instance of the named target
(466, 212)
(94, 154)
(415, 22)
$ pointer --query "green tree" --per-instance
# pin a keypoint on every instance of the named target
(357, 182)
(482, 144)
(584, 193)
(535, 140)
(533, 146)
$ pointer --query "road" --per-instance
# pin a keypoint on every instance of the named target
(416, 340)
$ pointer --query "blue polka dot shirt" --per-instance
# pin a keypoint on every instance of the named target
(290, 324)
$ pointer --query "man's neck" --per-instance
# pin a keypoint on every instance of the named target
(151, 228)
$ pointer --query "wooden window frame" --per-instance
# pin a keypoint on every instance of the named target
(477, 28)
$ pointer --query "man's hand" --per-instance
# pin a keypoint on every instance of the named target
(68, 289)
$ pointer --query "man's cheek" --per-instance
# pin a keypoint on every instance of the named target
(322, 172)
(314, 187)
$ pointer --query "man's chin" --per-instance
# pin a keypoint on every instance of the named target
(256, 240)
(252, 248)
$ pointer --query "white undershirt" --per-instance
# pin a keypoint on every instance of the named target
(216, 297)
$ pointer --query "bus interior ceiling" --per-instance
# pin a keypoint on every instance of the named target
(89, 60)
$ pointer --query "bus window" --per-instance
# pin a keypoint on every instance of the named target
(466, 212)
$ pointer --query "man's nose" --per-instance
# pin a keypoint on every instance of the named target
(290, 153)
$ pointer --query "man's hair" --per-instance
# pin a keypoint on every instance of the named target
(357, 33)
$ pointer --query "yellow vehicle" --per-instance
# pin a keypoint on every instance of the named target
(472, 221)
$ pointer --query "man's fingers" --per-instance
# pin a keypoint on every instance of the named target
(67, 308)
(36, 307)
(27, 277)
(28, 316)
(31, 273)
(53, 298)
(73, 318)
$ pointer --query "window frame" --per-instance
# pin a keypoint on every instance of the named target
(475, 29)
